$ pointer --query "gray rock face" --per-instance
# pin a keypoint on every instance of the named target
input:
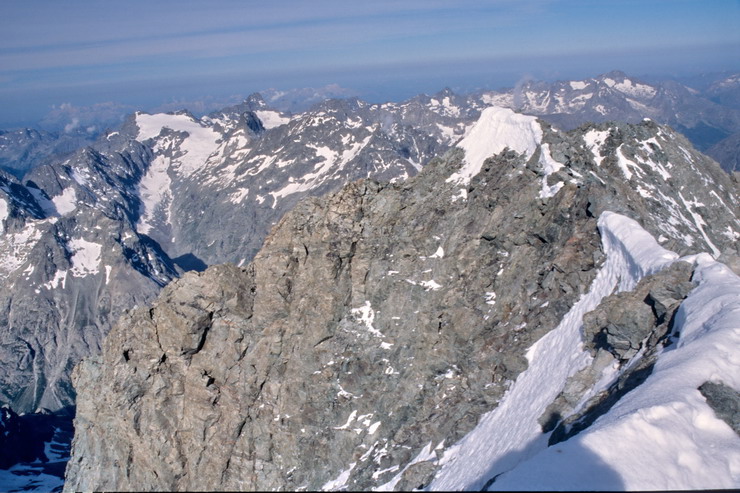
(627, 329)
(104, 228)
(204, 191)
(377, 324)
(624, 321)
(71, 263)
(725, 401)
(262, 162)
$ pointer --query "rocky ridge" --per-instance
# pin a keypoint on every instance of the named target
(710, 119)
(103, 229)
(24, 149)
(71, 263)
(376, 325)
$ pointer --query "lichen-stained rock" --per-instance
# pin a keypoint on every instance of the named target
(372, 330)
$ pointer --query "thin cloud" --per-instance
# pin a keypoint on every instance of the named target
(145, 52)
(238, 31)
(93, 118)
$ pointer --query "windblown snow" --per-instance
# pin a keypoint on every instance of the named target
(662, 435)
(496, 129)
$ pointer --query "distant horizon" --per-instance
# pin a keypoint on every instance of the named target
(140, 54)
(111, 113)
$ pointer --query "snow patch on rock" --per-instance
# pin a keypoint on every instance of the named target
(271, 119)
(511, 434)
(85, 257)
(200, 143)
(496, 129)
(154, 193)
(66, 202)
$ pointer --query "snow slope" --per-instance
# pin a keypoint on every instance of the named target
(496, 129)
(662, 435)
(200, 143)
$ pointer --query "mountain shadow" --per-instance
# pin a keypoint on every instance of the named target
(568, 466)
(189, 261)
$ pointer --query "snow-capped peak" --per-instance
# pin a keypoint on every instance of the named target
(496, 129)
(197, 147)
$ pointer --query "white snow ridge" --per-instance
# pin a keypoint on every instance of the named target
(496, 129)
(662, 435)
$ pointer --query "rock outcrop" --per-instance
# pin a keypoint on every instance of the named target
(626, 331)
(104, 228)
(377, 325)
(725, 401)
(350, 334)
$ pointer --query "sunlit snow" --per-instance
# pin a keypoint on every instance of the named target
(200, 143)
(271, 119)
(496, 129)
(662, 435)
(549, 166)
(66, 202)
(4, 213)
(594, 140)
(154, 193)
(85, 257)
(578, 84)
(511, 434)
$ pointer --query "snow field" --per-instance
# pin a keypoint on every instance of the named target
(271, 119)
(658, 436)
(154, 190)
(662, 435)
(197, 147)
(85, 257)
(496, 129)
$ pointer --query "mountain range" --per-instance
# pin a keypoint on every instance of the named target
(431, 268)
(378, 325)
(708, 116)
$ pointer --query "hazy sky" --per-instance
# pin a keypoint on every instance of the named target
(141, 54)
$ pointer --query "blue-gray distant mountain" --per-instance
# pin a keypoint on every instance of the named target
(705, 119)
(24, 149)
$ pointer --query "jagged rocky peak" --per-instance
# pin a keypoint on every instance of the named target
(253, 113)
(255, 101)
(17, 203)
(71, 261)
(378, 324)
(104, 228)
(619, 97)
(615, 75)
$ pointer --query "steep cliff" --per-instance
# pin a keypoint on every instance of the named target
(377, 325)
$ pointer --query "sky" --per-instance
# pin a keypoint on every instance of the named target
(93, 59)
